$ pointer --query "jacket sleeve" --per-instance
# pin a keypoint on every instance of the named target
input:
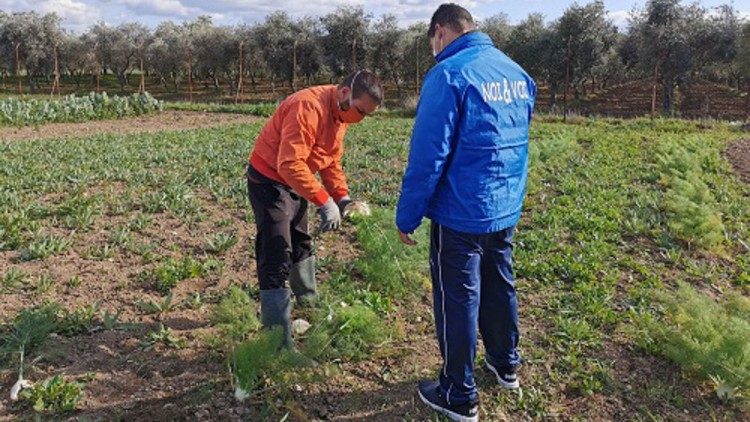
(334, 180)
(333, 176)
(431, 142)
(297, 139)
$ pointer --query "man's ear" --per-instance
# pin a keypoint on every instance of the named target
(344, 93)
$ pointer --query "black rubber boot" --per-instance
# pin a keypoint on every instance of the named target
(302, 281)
(276, 310)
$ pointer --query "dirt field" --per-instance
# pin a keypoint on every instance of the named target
(167, 120)
(584, 358)
(738, 154)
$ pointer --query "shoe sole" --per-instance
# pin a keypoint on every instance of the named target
(451, 415)
(507, 385)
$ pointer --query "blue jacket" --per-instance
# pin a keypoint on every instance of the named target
(468, 161)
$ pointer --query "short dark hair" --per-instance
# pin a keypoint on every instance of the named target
(453, 16)
(364, 82)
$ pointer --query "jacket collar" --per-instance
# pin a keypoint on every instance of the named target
(469, 39)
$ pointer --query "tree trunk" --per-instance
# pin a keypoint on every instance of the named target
(142, 85)
(239, 75)
(190, 75)
(416, 75)
(18, 69)
(567, 82)
(294, 65)
(354, 55)
(668, 93)
(122, 80)
(99, 78)
(553, 98)
(565, 91)
(56, 83)
(653, 94)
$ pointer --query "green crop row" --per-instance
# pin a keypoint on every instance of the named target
(71, 108)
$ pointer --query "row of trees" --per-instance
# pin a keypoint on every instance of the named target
(666, 42)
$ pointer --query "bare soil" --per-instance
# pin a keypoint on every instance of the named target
(125, 379)
(738, 154)
(164, 121)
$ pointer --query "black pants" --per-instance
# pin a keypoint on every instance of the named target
(282, 237)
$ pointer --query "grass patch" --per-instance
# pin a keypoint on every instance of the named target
(235, 316)
(170, 272)
(261, 363)
(709, 339)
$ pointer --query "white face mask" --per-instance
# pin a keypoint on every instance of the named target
(434, 51)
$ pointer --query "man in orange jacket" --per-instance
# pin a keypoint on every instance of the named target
(303, 137)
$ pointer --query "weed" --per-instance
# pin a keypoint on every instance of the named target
(12, 279)
(79, 321)
(54, 395)
(74, 282)
(354, 331)
(121, 236)
(709, 339)
(110, 321)
(27, 332)
(45, 282)
(195, 301)
(45, 246)
(221, 242)
(164, 336)
(167, 274)
(261, 361)
(160, 308)
(235, 315)
(101, 252)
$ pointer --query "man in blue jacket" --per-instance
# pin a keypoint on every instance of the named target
(467, 173)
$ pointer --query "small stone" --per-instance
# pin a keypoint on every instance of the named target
(300, 326)
(357, 208)
(241, 394)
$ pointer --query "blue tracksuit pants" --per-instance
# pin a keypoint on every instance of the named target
(473, 288)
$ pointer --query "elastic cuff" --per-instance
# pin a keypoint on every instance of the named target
(400, 228)
(320, 198)
(338, 198)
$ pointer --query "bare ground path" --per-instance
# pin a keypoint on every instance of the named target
(738, 154)
(167, 120)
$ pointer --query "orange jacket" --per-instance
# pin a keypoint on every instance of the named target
(304, 137)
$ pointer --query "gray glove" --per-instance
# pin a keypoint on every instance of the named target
(330, 216)
(343, 202)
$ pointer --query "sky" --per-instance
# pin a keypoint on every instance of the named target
(78, 15)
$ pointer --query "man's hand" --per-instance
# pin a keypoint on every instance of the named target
(343, 202)
(406, 238)
(330, 216)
